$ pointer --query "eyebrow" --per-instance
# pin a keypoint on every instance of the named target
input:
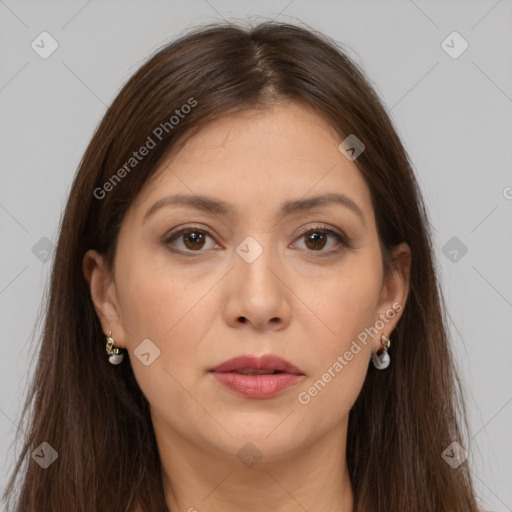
(218, 207)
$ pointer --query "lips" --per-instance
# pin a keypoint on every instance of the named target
(257, 377)
(252, 365)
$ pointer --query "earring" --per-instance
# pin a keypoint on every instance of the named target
(115, 354)
(382, 359)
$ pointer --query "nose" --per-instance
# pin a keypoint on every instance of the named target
(257, 295)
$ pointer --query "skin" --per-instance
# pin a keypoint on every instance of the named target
(296, 304)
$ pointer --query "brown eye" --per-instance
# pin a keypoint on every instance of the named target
(189, 240)
(194, 240)
(317, 238)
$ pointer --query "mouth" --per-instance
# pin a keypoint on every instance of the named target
(252, 365)
(252, 371)
(257, 377)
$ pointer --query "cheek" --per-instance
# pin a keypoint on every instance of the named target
(339, 362)
(154, 294)
(167, 304)
(346, 299)
(168, 308)
(346, 304)
(151, 303)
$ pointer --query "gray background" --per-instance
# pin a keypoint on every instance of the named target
(453, 114)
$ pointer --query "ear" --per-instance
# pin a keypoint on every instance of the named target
(394, 291)
(103, 295)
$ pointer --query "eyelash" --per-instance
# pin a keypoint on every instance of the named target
(322, 229)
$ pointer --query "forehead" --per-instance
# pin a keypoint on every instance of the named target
(286, 151)
(281, 131)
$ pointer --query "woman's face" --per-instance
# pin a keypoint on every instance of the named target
(260, 267)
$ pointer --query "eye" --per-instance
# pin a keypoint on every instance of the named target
(317, 238)
(192, 239)
(189, 239)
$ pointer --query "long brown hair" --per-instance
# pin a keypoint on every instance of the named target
(96, 417)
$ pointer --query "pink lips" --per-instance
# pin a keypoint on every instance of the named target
(249, 375)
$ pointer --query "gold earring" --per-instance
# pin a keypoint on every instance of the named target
(115, 354)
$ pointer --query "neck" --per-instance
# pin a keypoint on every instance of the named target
(314, 478)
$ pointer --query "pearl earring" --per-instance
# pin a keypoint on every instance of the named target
(382, 359)
(115, 354)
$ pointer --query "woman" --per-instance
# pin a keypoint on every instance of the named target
(244, 310)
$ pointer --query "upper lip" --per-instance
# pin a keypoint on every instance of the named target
(265, 362)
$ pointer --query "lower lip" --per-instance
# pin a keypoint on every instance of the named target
(257, 386)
